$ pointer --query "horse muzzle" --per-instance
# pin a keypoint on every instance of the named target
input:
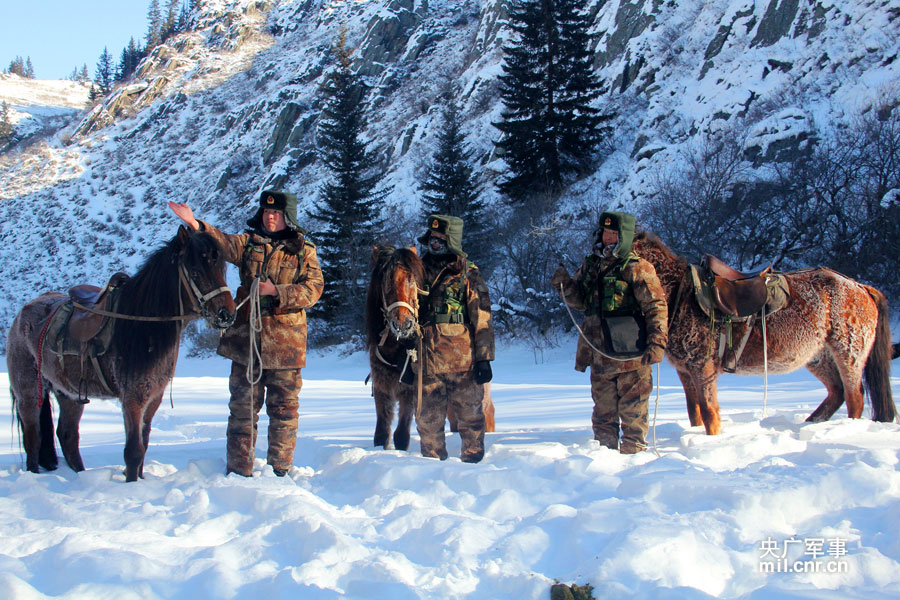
(406, 331)
(224, 319)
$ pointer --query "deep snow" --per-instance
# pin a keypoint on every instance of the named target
(545, 504)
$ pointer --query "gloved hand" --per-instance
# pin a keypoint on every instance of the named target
(654, 354)
(409, 376)
(483, 372)
(560, 276)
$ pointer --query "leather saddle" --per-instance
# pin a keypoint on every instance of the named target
(84, 325)
(736, 293)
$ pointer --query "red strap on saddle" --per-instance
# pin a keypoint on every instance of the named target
(40, 354)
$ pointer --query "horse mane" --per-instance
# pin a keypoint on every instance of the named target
(154, 291)
(651, 240)
(386, 259)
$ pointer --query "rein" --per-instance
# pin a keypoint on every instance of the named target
(198, 302)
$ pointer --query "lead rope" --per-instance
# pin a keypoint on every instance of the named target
(655, 410)
(255, 323)
(765, 362)
(255, 356)
(419, 381)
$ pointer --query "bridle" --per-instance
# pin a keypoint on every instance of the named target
(390, 327)
(413, 308)
(199, 300)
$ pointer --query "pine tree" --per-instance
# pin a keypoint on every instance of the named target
(29, 68)
(350, 199)
(449, 187)
(128, 62)
(170, 23)
(17, 66)
(122, 69)
(104, 74)
(83, 76)
(550, 130)
(154, 25)
(6, 127)
(184, 18)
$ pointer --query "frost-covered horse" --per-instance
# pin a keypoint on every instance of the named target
(181, 281)
(834, 326)
(392, 313)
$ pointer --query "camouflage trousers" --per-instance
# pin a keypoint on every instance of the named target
(621, 397)
(460, 391)
(279, 390)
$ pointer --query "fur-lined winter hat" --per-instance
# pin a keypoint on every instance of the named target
(277, 200)
(448, 226)
(624, 224)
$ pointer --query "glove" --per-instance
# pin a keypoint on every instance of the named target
(560, 276)
(483, 372)
(409, 376)
(654, 354)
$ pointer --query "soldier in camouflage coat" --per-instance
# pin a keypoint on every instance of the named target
(615, 282)
(458, 342)
(274, 250)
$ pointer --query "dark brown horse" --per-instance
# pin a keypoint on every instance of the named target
(392, 327)
(834, 326)
(392, 312)
(185, 278)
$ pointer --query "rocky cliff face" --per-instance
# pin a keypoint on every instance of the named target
(218, 113)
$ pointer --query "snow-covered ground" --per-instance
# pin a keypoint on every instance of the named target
(706, 518)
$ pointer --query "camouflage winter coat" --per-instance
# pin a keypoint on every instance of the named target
(456, 317)
(293, 267)
(582, 293)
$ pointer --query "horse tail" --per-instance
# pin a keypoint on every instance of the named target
(15, 418)
(877, 373)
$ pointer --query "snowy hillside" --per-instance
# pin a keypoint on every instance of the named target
(230, 107)
(772, 508)
(37, 105)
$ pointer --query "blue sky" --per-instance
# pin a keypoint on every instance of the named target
(60, 34)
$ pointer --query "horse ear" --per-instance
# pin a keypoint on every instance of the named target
(183, 234)
(414, 250)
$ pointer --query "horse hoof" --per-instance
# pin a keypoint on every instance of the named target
(401, 443)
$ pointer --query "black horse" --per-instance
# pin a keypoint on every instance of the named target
(181, 281)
